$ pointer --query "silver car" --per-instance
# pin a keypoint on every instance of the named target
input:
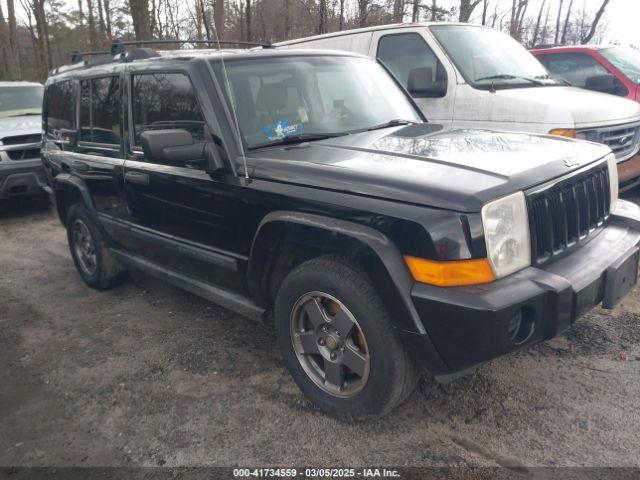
(21, 171)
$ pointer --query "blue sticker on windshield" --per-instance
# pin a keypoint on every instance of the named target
(282, 129)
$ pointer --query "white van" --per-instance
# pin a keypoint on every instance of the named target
(468, 76)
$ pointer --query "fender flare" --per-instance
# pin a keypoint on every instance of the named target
(380, 244)
(67, 181)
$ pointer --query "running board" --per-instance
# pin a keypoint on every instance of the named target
(230, 300)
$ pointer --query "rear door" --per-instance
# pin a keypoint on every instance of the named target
(179, 216)
(98, 157)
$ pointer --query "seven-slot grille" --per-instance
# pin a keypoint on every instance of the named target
(564, 214)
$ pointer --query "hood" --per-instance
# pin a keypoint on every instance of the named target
(569, 106)
(24, 125)
(427, 165)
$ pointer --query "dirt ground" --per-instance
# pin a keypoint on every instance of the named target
(146, 374)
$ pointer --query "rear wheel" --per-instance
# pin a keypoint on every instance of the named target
(338, 343)
(94, 261)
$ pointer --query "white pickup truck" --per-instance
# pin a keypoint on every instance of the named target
(468, 76)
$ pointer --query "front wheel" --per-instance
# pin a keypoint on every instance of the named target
(338, 342)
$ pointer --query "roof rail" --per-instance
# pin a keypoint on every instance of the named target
(117, 46)
(78, 56)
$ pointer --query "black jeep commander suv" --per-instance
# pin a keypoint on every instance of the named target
(306, 187)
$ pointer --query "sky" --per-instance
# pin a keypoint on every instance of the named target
(622, 16)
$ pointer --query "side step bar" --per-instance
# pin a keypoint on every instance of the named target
(229, 300)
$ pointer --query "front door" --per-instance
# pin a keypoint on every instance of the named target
(179, 215)
(405, 51)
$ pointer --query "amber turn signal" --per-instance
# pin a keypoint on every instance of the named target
(564, 132)
(450, 274)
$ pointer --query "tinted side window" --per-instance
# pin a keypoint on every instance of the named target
(404, 52)
(100, 110)
(60, 107)
(575, 68)
(165, 100)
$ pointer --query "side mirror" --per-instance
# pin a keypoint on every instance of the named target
(174, 146)
(421, 84)
(606, 83)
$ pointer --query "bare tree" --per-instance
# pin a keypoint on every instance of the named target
(558, 20)
(594, 26)
(247, 14)
(466, 9)
(8, 35)
(341, 21)
(485, 7)
(322, 16)
(566, 23)
(536, 29)
(363, 12)
(218, 17)
(139, 10)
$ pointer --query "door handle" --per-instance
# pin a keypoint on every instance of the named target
(137, 177)
(80, 166)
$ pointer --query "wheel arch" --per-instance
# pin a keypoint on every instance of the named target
(289, 233)
(70, 189)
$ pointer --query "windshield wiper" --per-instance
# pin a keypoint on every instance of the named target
(506, 76)
(392, 123)
(292, 139)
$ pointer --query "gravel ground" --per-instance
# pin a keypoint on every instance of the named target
(146, 374)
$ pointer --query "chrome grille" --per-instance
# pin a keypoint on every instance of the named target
(567, 212)
(623, 140)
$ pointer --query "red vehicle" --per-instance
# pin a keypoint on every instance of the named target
(614, 70)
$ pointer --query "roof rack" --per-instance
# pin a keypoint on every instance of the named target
(117, 46)
(78, 56)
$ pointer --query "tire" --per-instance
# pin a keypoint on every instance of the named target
(374, 379)
(95, 263)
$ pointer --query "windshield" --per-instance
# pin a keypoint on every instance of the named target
(17, 101)
(626, 60)
(491, 59)
(284, 99)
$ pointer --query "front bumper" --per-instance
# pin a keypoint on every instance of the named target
(24, 177)
(629, 173)
(470, 325)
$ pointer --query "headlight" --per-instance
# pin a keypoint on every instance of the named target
(613, 180)
(506, 233)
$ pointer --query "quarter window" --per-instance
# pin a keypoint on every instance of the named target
(100, 110)
(165, 100)
(404, 52)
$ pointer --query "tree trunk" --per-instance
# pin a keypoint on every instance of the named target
(218, 18)
(93, 34)
(594, 26)
(566, 24)
(434, 10)
(363, 12)
(107, 18)
(139, 10)
(466, 9)
(341, 26)
(398, 11)
(536, 29)
(415, 10)
(322, 16)
(247, 14)
(485, 7)
(9, 36)
(558, 19)
(103, 28)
